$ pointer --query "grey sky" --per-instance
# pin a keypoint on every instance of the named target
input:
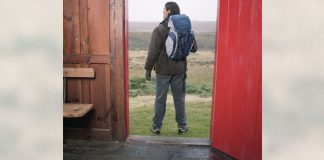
(151, 10)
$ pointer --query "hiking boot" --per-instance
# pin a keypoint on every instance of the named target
(182, 130)
(156, 130)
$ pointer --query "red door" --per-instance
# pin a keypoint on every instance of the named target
(237, 95)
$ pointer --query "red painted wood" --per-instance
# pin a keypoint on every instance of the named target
(119, 65)
(126, 67)
(236, 126)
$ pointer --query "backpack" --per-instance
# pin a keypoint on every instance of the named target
(180, 38)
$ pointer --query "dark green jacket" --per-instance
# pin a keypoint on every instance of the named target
(157, 57)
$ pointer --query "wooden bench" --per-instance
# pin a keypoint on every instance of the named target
(75, 110)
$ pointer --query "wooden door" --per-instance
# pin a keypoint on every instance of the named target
(94, 38)
(237, 95)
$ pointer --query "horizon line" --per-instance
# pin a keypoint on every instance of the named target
(191, 20)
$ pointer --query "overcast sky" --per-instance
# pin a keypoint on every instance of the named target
(151, 10)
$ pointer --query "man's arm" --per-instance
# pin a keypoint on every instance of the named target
(154, 50)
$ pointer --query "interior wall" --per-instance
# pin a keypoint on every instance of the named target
(94, 37)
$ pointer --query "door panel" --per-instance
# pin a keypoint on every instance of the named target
(71, 27)
(237, 94)
(87, 39)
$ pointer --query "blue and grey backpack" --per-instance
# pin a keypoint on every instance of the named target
(180, 38)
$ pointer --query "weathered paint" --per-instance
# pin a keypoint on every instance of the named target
(126, 68)
(119, 88)
(236, 126)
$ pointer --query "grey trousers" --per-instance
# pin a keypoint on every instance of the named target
(177, 83)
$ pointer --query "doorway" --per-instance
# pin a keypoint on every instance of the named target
(95, 36)
(199, 75)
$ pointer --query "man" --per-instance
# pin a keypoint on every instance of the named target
(168, 73)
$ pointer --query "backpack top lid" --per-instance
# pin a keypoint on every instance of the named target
(180, 22)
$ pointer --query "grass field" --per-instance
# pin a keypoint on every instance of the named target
(198, 119)
(200, 66)
(199, 88)
(198, 99)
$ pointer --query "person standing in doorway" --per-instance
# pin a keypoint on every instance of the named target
(168, 73)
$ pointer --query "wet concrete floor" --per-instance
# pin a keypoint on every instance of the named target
(142, 148)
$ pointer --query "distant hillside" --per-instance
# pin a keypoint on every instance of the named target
(141, 40)
(197, 26)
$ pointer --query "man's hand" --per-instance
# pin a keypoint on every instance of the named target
(148, 75)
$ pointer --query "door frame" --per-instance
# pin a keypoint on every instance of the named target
(236, 122)
(127, 72)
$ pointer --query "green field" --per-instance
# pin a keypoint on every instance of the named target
(199, 75)
(199, 89)
(198, 99)
(198, 119)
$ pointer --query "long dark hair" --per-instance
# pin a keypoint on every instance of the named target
(173, 8)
